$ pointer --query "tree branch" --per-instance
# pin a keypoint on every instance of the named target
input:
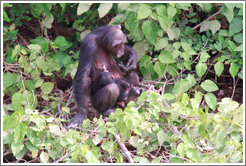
(124, 149)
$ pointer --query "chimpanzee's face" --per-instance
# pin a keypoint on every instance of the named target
(118, 44)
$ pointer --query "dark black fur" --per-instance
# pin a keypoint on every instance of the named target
(97, 50)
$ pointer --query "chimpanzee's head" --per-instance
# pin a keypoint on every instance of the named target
(115, 40)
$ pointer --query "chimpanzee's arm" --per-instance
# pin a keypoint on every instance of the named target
(82, 82)
(132, 59)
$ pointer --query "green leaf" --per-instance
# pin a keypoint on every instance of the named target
(15, 52)
(204, 56)
(227, 12)
(30, 146)
(171, 11)
(214, 26)
(161, 43)
(201, 69)
(17, 99)
(91, 157)
(164, 22)
(132, 21)
(44, 157)
(193, 154)
(44, 43)
(168, 96)
(21, 153)
(205, 25)
(181, 148)
(166, 57)
(17, 147)
(55, 129)
(173, 33)
(184, 6)
(159, 68)
(47, 87)
(220, 139)
(118, 157)
(211, 100)
(83, 7)
(47, 22)
(104, 8)
(144, 11)
(161, 137)
(150, 31)
(233, 69)
(236, 157)
(238, 38)
(236, 26)
(219, 68)
(209, 86)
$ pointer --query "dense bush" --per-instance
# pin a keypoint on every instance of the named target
(188, 53)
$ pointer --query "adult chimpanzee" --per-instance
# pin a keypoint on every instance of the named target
(97, 53)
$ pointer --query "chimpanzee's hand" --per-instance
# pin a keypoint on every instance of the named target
(130, 65)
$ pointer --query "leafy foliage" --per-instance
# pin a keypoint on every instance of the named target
(182, 49)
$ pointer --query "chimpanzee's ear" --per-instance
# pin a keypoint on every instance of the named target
(118, 26)
(116, 42)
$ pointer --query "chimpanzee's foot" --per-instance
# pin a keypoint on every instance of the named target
(76, 120)
(108, 112)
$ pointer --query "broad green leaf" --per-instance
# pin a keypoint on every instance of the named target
(209, 86)
(214, 26)
(47, 87)
(21, 153)
(184, 6)
(227, 12)
(141, 49)
(193, 155)
(44, 43)
(15, 52)
(205, 6)
(17, 99)
(161, 43)
(150, 31)
(211, 100)
(161, 137)
(194, 103)
(173, 33)
(44, 157)
(84, 34)
(30, 146)
(20, 132)
(41, 63)
(171, 11)
(204, 56)
(159, 68)
(133, 22)
(164, 22)
(220, 139)
(55, 129)
(104, 8)
(47, 22)
(219, 68)
(168, 96)
(97, 139)
(166, 57)
(238, 38)
(181, 86)
(17, 147)
(236, 157)
(187, 141)
(201, 69)
(144, 11)
(118, 19)
(83, 7)
(119, 158)
(233, 69)
(181, 148)
(161, 10)
(236, 26)
(205, 25)
(9, 79)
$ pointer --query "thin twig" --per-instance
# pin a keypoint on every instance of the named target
(61, 158)
(209, 18)
(124, 149)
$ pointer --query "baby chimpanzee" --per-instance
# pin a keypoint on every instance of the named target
(125, 87)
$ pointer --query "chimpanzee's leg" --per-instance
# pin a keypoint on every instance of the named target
(106, 98)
